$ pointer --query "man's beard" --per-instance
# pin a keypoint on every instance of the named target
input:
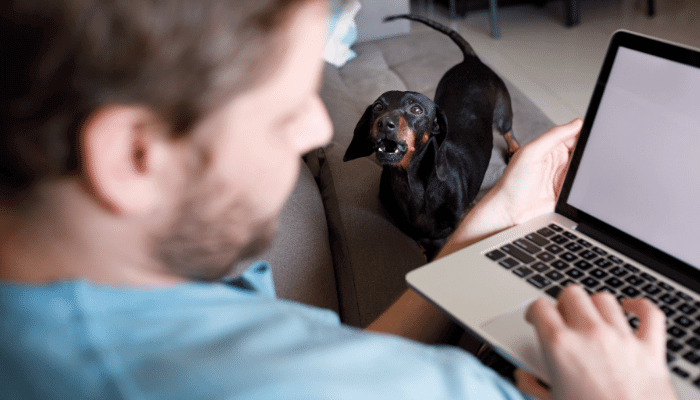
(205, 247)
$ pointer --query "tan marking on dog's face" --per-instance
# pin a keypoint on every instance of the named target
(407, 136)
(424, 138)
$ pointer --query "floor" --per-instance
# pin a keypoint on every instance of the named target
(557, 66)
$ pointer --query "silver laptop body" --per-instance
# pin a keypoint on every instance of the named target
(627, 220)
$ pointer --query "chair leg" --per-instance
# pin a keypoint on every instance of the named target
(572, 13)
(650, 8)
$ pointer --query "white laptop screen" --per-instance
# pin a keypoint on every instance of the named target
(640, 170)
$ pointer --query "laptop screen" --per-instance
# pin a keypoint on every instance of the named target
(640, 169)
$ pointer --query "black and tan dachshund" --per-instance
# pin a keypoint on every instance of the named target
(435, 154)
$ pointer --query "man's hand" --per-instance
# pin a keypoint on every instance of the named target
(592, 352)
(529, 187)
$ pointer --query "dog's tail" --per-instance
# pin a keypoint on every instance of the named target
(456, 37)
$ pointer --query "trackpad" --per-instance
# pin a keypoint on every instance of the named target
(517, 340)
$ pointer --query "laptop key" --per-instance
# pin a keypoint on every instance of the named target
(590, 282)
(674, 346)
(587, 255)
(666, 286)
(629, 291)
(583, 264)
(600, 251)
(508, 263)
(554, 275)
(614, 259)
(522, 271)
(546, 232)
(667, 310)
(568, 257)
(648, 277)
(515, 252)
(574, 273)
(684, 321)
(697, 382)
(546, 257)
(687, 309)
(553, 291)
(559, 239)
(527, 246)
(669, 299)
(633, 280)
(570, 235)
(555, 227)
(614, 282)
(566, 283)
(631, 268)
(603, 263)
(676, 332)
(684, 296)
(539, 281)
(584, 243)
(680, 372)
(607, 289)
(495, 255)
(539, 266)
(537, 239)
(692, 357)
(553, 248)
(618, 271)
(651, 289)
(598, 273)
(560, 265)
(573, 247)
(694, 343)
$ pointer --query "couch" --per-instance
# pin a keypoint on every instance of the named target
(336, 246)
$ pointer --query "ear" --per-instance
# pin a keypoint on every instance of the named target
(124, 153)
(428, 157)
(361, 144)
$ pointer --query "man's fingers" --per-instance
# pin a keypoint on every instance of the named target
(577, 308)
(529, 384)
(545, 318)
(565, 134)
(611, 311)
(652, 321)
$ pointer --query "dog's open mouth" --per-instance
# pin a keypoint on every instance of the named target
(389, 151)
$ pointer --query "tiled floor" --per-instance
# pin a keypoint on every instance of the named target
(557, 66)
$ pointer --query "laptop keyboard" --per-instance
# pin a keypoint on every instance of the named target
(553, 257)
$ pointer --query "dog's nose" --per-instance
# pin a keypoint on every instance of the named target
(386, 124)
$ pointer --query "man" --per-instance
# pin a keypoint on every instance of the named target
(147, 145)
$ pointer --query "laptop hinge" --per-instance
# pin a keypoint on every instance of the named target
(687, 276)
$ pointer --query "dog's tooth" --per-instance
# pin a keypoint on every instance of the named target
(380, 150)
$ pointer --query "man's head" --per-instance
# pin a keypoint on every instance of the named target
(173, 127)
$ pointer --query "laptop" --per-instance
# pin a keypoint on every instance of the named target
(627, 220)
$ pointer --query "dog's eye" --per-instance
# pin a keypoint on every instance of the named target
(416, 110)
(378, 107)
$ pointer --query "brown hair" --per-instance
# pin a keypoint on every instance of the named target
(64, 59)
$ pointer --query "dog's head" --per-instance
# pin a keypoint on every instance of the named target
(395, 126)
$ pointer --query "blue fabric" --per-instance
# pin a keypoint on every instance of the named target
(76, 339)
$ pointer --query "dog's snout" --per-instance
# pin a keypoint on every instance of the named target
(386, 124)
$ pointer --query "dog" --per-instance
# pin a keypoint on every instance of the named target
(434, 154)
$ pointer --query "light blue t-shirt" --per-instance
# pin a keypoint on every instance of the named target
(78, 340)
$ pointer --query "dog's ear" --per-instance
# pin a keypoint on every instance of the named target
(361, 144)
(439, 128)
